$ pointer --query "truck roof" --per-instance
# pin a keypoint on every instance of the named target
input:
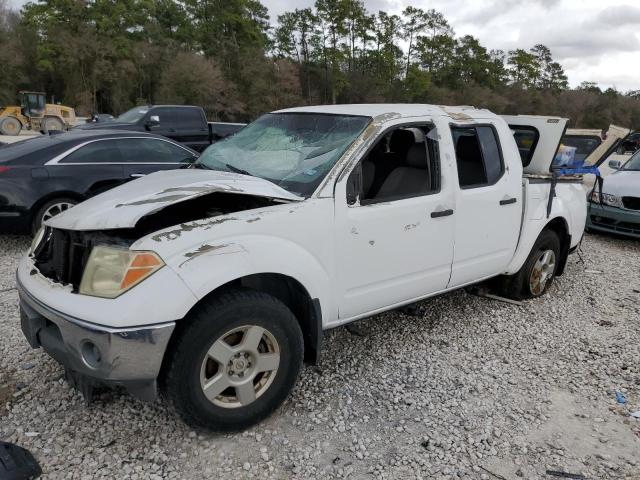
(400, 110)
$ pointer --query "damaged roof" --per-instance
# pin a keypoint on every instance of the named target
(400, 109)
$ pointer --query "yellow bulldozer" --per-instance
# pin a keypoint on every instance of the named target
(34, 113)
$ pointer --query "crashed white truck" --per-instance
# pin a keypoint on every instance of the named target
(214, 283)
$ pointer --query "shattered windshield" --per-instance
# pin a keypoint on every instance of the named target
(633, 163)
(133, 115)
(292, 150)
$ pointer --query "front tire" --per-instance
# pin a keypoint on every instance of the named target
(53, 124)
(234, 362)
(51, 209)
(538, 272)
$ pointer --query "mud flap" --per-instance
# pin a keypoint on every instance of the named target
(17, 463)
(83, 384)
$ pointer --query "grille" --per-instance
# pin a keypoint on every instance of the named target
(62, 256)
(632, 203)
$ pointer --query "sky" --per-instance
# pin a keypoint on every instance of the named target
(594, 40)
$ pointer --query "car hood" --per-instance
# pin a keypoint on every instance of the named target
(623, 183)
(124, 206)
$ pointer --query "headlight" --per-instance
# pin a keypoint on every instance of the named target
(37, 238)
(111, 271)
(607, 199)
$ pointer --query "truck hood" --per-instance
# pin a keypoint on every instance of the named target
(104, 125)
(124, 206)
(623, 183)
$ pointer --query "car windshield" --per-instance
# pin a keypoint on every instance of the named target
(133, 115)
(633, 163)
(292, 150)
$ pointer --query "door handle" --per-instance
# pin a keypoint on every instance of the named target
(441, 213)
(508, 201)
(137, 175)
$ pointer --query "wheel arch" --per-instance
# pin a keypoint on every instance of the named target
(51, 196)
(289, 291)
(560, 227)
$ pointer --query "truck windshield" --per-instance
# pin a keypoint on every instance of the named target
(633, 163)
(133, 115)
(292, 150)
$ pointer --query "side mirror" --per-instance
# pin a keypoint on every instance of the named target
(154, 121)
(615, 164)
(354, 186)
(189, 160)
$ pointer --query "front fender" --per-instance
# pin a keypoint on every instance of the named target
(210, 265)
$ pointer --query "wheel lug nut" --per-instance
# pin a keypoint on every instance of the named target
(241, 374)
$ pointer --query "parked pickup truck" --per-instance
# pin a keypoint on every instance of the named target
(185, 124)
(216, 282)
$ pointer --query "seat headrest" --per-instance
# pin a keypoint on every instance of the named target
(417, 156)
(467, 146)
(400, 141)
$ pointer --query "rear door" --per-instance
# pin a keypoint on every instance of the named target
(538, 139)
(88, 169)
(488, 201)
(144, 155)
(192, 127)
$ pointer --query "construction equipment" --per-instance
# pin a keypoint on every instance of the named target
(35, 114)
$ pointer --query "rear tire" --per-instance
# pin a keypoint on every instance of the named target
(53, 124)
(234, 362)
(538, 272)
(10, 126)
(50, 209)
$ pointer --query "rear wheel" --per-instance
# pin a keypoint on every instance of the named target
(10, 126)
(49, 210)
(538, 272)
(235, 362)
(53, 124)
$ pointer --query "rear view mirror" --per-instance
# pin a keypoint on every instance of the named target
(615, 164)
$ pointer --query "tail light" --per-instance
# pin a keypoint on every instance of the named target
(3, 169)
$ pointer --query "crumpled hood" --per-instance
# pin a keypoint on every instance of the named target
(123, 206)
(622, 183)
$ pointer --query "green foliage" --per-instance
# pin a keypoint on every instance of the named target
(107, 55)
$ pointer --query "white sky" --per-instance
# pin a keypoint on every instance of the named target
(594, 40)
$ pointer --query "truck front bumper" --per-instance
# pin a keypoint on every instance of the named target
(614, 220)
(95, 355)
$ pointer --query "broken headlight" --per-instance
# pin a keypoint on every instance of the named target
(607, 199)
(111, 271)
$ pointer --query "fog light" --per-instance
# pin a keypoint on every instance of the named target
(91, 354)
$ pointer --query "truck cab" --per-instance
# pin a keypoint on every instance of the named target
(218, 281)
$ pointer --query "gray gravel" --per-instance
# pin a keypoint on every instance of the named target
(468, 388)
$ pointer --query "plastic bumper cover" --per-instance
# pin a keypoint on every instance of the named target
(96, 355)
(614, 220)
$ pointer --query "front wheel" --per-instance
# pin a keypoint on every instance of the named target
(235, 361)
(53, 124)
(10, 126)
(538, 272)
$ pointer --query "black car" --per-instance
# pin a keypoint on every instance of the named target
(186, 124)
(43, 176)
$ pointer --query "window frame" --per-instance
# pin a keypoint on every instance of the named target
(500, 152)
(59, 159)
(360, 202)
(149, 139)
(532, 151)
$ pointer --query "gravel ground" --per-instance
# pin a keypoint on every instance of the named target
(466, 388)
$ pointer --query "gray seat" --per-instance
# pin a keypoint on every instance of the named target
(411, 179)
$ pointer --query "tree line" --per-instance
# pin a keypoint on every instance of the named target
(109, 55)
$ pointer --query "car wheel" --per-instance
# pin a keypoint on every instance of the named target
(53, 124)
(10, 126)
(51, 209)
(234, 362)
(538, 272)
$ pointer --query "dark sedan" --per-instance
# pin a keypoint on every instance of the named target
(43, 176)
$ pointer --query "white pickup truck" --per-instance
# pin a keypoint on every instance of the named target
(214, 283)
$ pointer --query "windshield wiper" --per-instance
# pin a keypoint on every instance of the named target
(238, 170)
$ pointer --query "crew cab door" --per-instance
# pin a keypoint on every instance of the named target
(488, 201)
(394, 223)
